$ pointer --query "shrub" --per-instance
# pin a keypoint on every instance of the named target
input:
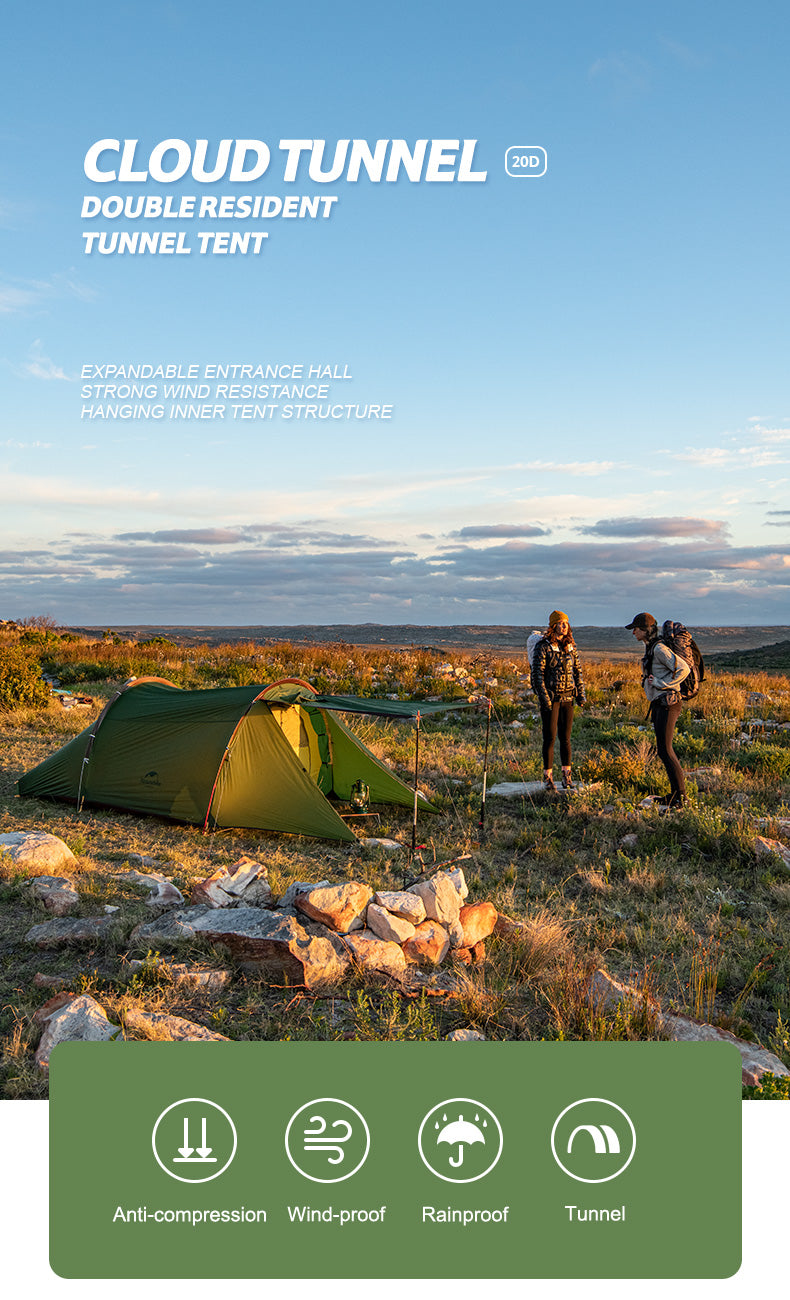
(20, 679)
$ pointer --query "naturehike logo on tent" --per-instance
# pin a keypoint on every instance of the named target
(151, 778)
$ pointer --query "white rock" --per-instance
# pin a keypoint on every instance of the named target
(388, 926)
(440, 897)
(465, 1036)
(81, 1019)
(401, 903)
(35, 851)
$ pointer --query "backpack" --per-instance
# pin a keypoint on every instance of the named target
(680, 641)
(532, 643)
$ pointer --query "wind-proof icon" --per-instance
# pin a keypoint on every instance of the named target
(460, 1140)
(327, 1140)
(321, 1138)
(593, 1140)
(195, 1134)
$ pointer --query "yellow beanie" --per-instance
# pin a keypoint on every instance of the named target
(557, 616)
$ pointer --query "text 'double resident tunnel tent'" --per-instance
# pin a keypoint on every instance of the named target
(271, 758)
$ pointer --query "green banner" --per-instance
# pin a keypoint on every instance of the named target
(395, 1160)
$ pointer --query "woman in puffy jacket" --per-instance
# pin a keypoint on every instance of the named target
(558, 683)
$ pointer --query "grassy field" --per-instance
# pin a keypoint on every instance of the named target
(687, 910)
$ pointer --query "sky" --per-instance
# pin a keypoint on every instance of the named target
(584, 373)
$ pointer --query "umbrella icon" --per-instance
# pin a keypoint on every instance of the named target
(460, 1132)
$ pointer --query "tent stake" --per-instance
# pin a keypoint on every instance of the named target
(485, 775)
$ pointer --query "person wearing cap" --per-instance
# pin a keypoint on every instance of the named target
(662, 673)
(558, 683)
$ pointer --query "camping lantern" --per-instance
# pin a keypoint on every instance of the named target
(360, 796)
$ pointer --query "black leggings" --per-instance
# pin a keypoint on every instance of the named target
(664, 718)
(558, 718)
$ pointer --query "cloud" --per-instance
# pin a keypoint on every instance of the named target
(479, 531)
(170, 577)
(40, 366)
(20, 296)
(668, 526)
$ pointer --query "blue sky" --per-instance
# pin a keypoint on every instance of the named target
(588, 370)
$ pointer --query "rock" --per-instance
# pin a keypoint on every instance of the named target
(479, 952)
(34, 852)
(517, 789)
(193, 977)
(65, 930)
(440, 897)
(390, 845)
(387, 926)
(227, 886)
(141, 860)
(707, 778)
(435, 984)
(57, 893)
(375, 954)
(401, 903)
(429, 945)
(455, 933)
(465, 1036)
(79, 1018)
(755, 1060)
(478, 921)
(300, 887)
(764, 847)
(459, 881)
(163, 893)
(629, 841)
(158, 1025)
(506, 928)
(42, 981)
(461, 956)
(341, 907)
(270, 944)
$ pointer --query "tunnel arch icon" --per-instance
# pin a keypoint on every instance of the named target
(605, 1140)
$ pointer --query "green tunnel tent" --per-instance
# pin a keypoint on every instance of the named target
(268, 757)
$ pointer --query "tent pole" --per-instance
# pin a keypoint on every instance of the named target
(416, 766)
(485, 774)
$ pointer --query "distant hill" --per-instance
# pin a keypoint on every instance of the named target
(764, 658)
(614, 642)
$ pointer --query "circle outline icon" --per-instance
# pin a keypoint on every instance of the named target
(450, 1101)
(614, 1106)
(316, 1102)
(205, 1102)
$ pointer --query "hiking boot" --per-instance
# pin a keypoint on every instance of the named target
(548, 784)
(568, 782)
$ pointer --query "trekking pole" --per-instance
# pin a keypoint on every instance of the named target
(485, 773)
(416, 765)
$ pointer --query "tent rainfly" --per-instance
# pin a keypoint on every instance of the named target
(265, 757)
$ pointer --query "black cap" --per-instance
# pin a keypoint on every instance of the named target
(642, 621)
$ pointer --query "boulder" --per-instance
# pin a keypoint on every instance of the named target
(35, 853)
(478, 921)
(340, 907)
(374, 954)
(764, 847)
(75, 1019)
(465, 1036)
(66, 930)
(162, 891)
(299, 887)
(228, 886)
(57, 893)
(440, 897)
(385, 925)
(429, 945)
(159, 1025)
(264, 943)
(401, 903)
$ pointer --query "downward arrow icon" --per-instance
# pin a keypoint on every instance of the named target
(203, 1150)
(186, 1150)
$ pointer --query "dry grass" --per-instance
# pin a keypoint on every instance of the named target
(690, 903)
